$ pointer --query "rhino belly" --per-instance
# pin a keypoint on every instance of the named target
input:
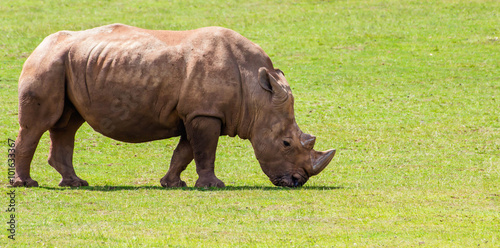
(125, 118)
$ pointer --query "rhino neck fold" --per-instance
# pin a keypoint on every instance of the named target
(246, 122)
(246, 115)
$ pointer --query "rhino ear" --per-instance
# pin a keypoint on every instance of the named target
(269, 83)
(264, 79)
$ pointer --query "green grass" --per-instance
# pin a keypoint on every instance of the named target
(407, 91)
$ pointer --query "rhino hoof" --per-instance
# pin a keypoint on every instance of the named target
(24, 183)
(178, 184)
(73, 182)
(209, 183)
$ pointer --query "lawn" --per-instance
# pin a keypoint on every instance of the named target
(408, 92)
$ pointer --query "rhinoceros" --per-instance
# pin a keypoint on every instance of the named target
(137, 85)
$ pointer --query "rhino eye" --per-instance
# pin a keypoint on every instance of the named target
(286, 143)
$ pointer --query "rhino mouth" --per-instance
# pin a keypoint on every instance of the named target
(291, 181)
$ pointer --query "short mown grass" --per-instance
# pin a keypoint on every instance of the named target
(407, 91)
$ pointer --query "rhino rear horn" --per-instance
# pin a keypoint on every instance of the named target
(321, 160)
(307, 140)
(269, 83)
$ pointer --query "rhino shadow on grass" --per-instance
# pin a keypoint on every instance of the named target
(227, 188)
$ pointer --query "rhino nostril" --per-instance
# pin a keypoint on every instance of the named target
(296, 180)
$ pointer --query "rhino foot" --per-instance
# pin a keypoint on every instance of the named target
(18, 182)
(73, 182)
(209, 182)
(172, 184)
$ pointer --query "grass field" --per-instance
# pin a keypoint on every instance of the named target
(408, 92)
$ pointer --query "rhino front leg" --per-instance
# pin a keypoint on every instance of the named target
(203, 135)
(183, 155)
(62, 138)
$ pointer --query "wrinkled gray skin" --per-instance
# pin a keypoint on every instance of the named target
(137, 85)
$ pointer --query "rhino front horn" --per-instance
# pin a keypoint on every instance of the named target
(321, 160)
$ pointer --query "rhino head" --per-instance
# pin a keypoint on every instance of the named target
(285, 153)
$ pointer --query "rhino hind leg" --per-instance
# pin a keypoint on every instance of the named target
(41, 102)
(203, 135)
(25, 146)
(183, 155)
(62, 138)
